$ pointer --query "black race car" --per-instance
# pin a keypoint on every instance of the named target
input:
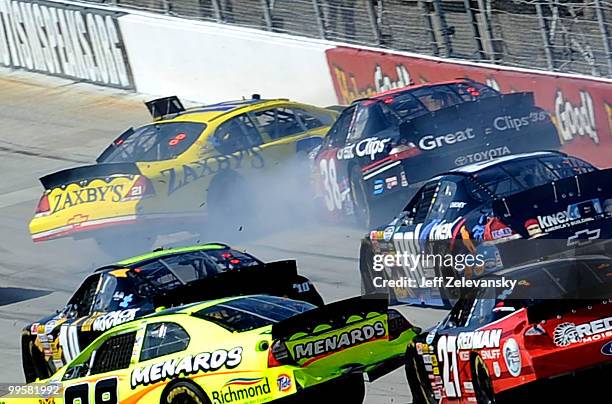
(138, 286)
(536, 341)
(486, 216)
(381, 148)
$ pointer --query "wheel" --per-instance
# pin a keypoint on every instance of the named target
(34, 364)
(418, 381)
(359, 197)
(366, 259)
(183, 392)
(482, 382)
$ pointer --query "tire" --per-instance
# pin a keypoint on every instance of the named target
(482, 382)
(366, 258)
(183, 392)
(417, 379)
(361, 202)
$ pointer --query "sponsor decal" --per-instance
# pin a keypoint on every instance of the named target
(479, 339)
(508, 122)
(583, 237)
(482, 155)
(114, 318)
(576, 120)
(457, 205)
(431, 142)
(336, 343)
(178, 178)
(607, 349)
(371, 147)
(242, 389)
(443, 230)
(64, 200)
(64, 40)
(283, 382)
(574, 214)
(391, 182)
(567, 333)
(379, 186)
(489, 354)
(512, 357)
(346, 153)
(187, 365)
(496, 369)
(533, 228)
(501, 233)
(388, 233)
(403, 179)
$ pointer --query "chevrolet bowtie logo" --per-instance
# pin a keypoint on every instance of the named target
(583, 237)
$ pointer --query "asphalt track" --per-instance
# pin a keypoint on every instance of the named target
(47, 124)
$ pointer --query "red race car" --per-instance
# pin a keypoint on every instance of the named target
(548, 337)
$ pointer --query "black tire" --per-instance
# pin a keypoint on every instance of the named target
(183, 392)
(418, 381)
(361, 203)
(33, 361)
(482, 382)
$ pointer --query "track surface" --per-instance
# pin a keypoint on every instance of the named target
(48, 124)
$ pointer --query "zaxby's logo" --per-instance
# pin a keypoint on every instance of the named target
(576, 120)
(242, 389)
(566, 334)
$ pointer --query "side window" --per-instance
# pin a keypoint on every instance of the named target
(114, 353)
(163, 339)
(444, 197)
(238, 133)
(312, 119)
(336, 136)
(278, 122)
(460, 313)
(369, 121)
(419, 205)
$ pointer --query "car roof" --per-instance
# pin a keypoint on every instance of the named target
(532, 265)
(161, 253)
(411, 87)
(211, 112)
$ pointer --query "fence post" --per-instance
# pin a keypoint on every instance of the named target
(373, 21)
(487, 23)
(265, 5)
(448, 47)
(217, 10)
(544, 34)
(477, 39)
(429, 28)
(320, 20)
(605, 36)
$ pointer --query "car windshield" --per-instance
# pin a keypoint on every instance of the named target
(519, 175)
(170, 271)
(156, 142)
(115, 293)
(252, 312)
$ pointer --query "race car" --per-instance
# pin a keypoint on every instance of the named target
(138, 286)
(382, 148)
(548, 338)
(186, 166)
(485, 216)
(238, 350)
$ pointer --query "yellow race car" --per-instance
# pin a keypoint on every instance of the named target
(186, 165)
(248, 349)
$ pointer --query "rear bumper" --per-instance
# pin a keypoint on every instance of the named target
(91, 228)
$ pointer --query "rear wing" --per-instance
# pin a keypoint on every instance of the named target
(87, 173)
(274, 278)
(334, 314)
(163, 107)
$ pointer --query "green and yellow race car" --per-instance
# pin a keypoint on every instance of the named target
(189, 165)
(248, 349)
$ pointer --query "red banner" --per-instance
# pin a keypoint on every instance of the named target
(580, 107)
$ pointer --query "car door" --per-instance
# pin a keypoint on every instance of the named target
(98, 375)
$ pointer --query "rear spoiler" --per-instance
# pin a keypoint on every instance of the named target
(87, 173)
(162, 107)
(335, 314)
(273, 278)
